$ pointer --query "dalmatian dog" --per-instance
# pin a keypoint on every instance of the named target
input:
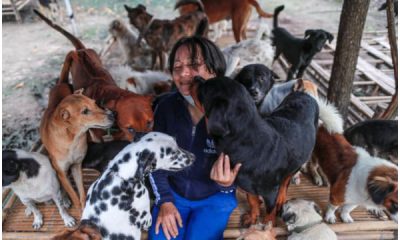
(118, 202)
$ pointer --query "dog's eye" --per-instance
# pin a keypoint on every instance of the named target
(131, 130)
(85, 111)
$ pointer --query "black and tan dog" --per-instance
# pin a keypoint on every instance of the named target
(271, 149)
(299, 52)
(161, 35)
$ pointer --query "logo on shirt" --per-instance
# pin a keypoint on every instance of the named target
(210, 147)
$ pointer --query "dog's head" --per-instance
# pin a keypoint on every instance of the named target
(300, 212)
(134, 114)
(116, 27)
(226, 104)
(317, 38)
(382, 187)
(138, 16)
(257, 79)
(79, 113)
(16, 162)
(84, 231)
(161, 152)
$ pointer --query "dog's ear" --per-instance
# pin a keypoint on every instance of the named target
(79, 91)
(380, 187)
(145, 162)
(142, 7)
(128, 9)
(217, 123)
(330, 37)
(308, 33)
(316, 208)
(64, 114)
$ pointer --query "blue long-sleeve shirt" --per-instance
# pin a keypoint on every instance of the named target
(172, 117)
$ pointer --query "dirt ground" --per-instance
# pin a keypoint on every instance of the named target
(33, 53)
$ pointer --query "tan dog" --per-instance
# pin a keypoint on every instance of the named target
(134, 112)
(237, 10)
(259, 232)
(63, 130)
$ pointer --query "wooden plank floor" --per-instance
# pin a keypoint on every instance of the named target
(18, 226)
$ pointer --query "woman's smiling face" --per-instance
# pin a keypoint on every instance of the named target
(184, 70)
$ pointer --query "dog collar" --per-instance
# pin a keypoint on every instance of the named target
(304, 227)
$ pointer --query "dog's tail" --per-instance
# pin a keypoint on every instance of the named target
(200, 6)
(202, 28)
(260, 12)
(77, 44)
(330, 116)
(276, 12)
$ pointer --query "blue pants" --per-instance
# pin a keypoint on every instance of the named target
(202, 219)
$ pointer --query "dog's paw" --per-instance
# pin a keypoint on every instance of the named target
(318, 181)
(69, 221)
(330, 218)
(247, 220)
(37, 222)
(376, 212)
(28, 211)
(346, 218)
(296, 179)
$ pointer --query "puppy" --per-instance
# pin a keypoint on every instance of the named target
(298, 52)
(134, 52)
(237, 10)
(288, 137)
(118, 203)
(32, 179)
(356, 177)
(304, 221)
(147, 82)
(161, 35)
(133, 111)
(63, 130)
(378, 137)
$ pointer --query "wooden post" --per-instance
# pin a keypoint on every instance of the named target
(352, 19)
(391, 110)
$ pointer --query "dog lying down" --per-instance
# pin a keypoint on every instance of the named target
(288, 136)
(118, 204)
(304, 221)
(148, 82)
(32, 178)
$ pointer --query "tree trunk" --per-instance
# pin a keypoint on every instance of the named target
(352, 19)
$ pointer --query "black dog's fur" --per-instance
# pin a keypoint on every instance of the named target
(298, 52)
(269, 149)
(98, 155)
(13, 165)
(378, 137)
(257, 79)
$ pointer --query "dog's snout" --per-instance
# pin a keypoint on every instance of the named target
(289, 217)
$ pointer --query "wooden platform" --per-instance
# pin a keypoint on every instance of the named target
(18, 226)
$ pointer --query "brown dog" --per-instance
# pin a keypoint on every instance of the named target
(134, 113)
(85, 231)
(237, 10)
(161, 35)
(63, 133)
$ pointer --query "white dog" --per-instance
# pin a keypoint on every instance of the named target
(147, 82)
(304, 221)
(32, 178)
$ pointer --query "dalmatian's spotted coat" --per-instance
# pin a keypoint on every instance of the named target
(118, 202)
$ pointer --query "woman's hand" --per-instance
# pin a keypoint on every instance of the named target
(167, 217)
(222, 173)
